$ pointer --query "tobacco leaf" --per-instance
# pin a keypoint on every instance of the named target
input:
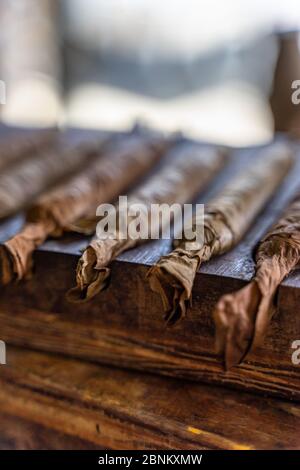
(187, 170)
(24, 181)
(121, 163)
(225, 220)
(16, 147)
(242, 318)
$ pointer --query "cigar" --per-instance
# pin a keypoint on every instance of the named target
(226, 219)
(16, 147)
(187, 170)
(21, 183)
(242, 318)
(122, 163)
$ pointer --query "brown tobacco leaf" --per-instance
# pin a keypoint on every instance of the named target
(15, 255)
(23, 182)
(225, 221)
(186, 171)
(242, 318)
(173, 277)
(18, 146)
(93, 273)
(119, 165)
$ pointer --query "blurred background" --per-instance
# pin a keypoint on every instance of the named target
(220, 71)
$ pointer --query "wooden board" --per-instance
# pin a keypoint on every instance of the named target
(53, 402)
(123, 326)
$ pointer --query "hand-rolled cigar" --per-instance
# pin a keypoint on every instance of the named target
(22, 182)
(123, 162)
(186, 171)
(17, 147)
(226, 219)
(242, 318)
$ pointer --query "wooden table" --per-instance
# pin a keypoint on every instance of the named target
(51, 402)
(123, 326)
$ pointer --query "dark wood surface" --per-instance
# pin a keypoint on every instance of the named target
(123, 326)
(25, 434)
(53, 402)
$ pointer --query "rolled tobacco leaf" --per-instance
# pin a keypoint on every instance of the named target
(242, 318)
(121, 164)
(19, 146)
(226, 219)
(187, 170)
(22, 182)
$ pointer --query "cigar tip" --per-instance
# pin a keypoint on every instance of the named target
(86, 291)
(76, 295)
(178, 312)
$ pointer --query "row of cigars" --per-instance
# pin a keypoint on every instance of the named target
(62, 185)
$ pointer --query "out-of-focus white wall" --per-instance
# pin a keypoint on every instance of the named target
(30, 61)
(174, 28)
(231, 107)
(224, 52)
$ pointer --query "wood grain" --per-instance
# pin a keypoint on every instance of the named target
(84, 403)
(123, 326)
(23, 434)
